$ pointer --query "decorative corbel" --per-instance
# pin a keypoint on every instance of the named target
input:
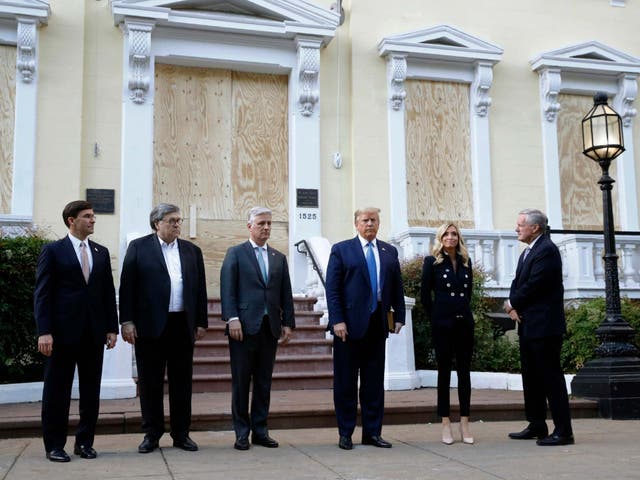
(26, 49)
(397, 74)
(482, 80)
(308, 76)
(550, 82)
(627, 92)
(139, 47)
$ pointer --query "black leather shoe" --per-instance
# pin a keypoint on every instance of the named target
(529, 433)
(242, 443)
(185, 444)
(148, 445)
(85, 451)
(345, 443)
(554, 440)
(265, 441)
(58, 455)
(376, 441)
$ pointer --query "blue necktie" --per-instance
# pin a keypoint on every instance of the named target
(373, 276)
(263, 268)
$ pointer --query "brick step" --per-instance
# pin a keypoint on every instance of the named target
(280, 381)
(284, 363)
(216, 332)
(220, 348)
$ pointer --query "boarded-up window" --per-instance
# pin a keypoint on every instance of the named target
(439, 187)
(580, 193)
(220, 143)
(7, 118)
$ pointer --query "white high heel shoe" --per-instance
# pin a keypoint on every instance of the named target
(447, 436)
(467, 440)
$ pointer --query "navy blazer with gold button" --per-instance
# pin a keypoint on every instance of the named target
(451, 290)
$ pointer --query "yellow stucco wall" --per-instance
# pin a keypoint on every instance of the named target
(80, 95)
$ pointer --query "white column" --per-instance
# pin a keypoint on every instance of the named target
(24, 143)
(625, 166)
(400, 364)
(136, 183)
(550, 82)
(396, 75)
(304, 152)
(480, 146)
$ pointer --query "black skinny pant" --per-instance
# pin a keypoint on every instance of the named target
(454, 341)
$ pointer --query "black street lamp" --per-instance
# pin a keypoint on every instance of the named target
(613, 377)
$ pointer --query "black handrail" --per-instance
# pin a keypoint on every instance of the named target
(308, 251)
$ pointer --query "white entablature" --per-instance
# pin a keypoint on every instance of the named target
(584, 69)
(441, 53)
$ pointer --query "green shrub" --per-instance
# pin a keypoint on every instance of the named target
(582, 322)
(492, 352)
(19, 357)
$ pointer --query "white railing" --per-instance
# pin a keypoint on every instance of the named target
(497, 253)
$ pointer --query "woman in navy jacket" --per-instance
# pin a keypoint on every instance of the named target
(447, 282)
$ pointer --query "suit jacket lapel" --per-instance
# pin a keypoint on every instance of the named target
(70, 253)
(384, 256)
(157, 250)
(254, 261)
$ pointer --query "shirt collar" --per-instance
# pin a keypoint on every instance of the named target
(76, 241)
(168, 245)
(530, 246)
(254, 244)
(364, 241)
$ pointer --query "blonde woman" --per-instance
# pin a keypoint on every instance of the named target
(447, 282)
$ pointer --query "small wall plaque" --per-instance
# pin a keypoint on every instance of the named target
(103, 199)
(307, 198)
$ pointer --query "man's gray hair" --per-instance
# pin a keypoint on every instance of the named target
(535, 217)
(257, 211)
(362, 210)
(160, 211)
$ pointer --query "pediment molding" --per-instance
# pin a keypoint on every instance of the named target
(37, 10)
(271, 18)
(442, 42)
(588, 57)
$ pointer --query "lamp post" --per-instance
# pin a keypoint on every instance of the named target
(613, 377)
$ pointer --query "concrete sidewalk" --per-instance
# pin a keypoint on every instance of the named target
(604, 449)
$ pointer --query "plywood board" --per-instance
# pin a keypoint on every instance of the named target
(438, 164)
(7, 122)
(580, 193)
(221, 144)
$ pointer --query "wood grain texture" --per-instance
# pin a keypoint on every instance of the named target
(259, 138)
(216, 236)
(7, 122)
(221, 143)
(439, 187)
(580, 193)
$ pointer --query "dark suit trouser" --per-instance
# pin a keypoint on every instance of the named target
(252, 359)
(543, 380)
(455, 341)
(171, 352)
(365, 356)
(56, 394)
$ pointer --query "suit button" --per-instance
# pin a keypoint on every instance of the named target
(453, 294)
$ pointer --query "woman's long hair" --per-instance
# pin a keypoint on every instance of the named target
(438, 249)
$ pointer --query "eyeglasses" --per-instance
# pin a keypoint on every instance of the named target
(89, 216)
(174, 221)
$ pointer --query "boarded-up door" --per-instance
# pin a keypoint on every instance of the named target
(220, 143)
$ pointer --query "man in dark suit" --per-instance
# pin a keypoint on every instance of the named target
(75, 311)
(163, 311)
(363, 285)
(536, 303)
(257, 305)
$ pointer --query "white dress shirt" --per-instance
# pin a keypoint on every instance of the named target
(171, 256)
(376, 254)
(76, 247)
